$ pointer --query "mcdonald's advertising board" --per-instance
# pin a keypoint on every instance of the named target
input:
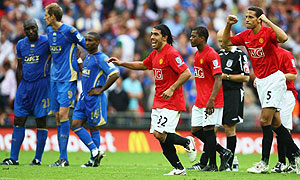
(135, 141)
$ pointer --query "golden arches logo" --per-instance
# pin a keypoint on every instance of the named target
(179, 148)
(137, 142)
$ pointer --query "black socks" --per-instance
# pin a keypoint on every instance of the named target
(266, 143)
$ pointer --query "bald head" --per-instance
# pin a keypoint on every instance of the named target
(31, 29)
(29, 22)
(220, 37)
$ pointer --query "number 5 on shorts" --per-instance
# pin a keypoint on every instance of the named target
(269, 95)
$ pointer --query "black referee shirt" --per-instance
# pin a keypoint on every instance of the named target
(233, 62)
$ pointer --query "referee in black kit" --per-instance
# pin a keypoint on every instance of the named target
(235, 69)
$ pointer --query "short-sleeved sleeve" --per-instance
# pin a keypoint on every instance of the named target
(148, 61)
(273, 36)
(214, 63)
(245, 65)
(18, 47)
(290, 63)
(77, 37)
(176, 62)
(108, 68)
(238, 39)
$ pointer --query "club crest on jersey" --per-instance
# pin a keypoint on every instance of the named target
(73, 30)
(256, 52)
(216, 64)
(261, 40)
(179, 61)
(201, 61)
(161, 61)
(158, 75)
(229, 63)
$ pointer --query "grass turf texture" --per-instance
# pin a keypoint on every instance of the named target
(123, 165)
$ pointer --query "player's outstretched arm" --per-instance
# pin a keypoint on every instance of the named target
(184, 76)
(231, 19)
(280, 34)
(135, 65)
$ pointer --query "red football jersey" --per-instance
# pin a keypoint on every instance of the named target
(261, 48)
(167, 65)
(287, 65)
(207, 64)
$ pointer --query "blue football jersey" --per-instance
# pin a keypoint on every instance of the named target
(94, 73)
(63, 47)
(36, 58)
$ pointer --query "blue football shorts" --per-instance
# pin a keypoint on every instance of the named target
(95, 112)
(63, 94)
(32, 98)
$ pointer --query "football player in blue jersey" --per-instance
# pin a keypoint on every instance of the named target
(32, 94)
(63, 40)
(92, 104)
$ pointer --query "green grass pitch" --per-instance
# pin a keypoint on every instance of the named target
(123, 165)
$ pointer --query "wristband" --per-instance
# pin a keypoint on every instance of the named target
(79, 60)
(227, 77)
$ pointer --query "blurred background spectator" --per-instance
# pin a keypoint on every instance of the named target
(125, 26)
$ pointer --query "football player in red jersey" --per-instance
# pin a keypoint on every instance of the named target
(207, 111)
(261, 43)
(170, 72)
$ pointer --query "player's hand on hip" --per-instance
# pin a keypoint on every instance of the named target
(232, 19)
(254, 83)
(167, 94)
(94, 91)
(210, 107)
(114, 60)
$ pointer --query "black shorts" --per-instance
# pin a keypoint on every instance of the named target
(233, 106)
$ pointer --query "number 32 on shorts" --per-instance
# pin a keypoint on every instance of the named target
(162, 121)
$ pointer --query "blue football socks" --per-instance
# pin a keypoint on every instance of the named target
(58, 138)
(64, 138)
(85, 137)
(16, 142)
(96, 139)
(42, 135)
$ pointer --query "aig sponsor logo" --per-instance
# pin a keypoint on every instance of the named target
(158, 75)
(199, 72)
(256, 52)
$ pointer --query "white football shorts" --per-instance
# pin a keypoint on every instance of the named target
(286, 109)
(271, 89)
(200, 118)
(164, 120)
